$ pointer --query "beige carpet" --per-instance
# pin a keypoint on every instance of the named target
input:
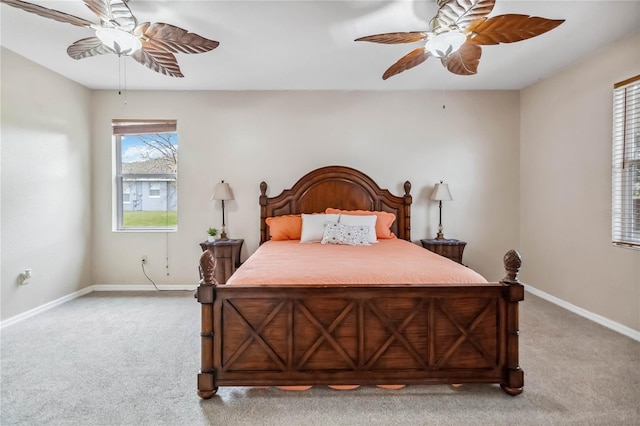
(131, 358)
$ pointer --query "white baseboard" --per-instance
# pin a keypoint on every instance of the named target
(45, 307)
(622, 329)
(141, 287)
(87, 290)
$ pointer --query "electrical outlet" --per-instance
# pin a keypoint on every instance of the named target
(143, 259)
(24, 277)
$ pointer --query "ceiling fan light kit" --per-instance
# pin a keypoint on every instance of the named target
(446, 43)
(121, 42)
(456, 33)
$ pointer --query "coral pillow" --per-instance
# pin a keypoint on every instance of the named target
(383, 223)
(288, 227)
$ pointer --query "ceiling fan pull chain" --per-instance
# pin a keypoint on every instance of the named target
(124, 61)
(444, 106)
(122, 75)
(119, 75)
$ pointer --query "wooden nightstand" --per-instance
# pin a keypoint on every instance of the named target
(451, 249)
(227, 255)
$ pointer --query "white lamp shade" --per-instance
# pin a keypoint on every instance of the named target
(441, 192)
(222, 192)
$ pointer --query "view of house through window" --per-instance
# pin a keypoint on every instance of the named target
(626, 163)
(146, 190)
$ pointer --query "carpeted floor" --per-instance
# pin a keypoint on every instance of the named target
(131, 358)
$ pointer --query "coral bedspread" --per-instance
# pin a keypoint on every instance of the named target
(393, 261)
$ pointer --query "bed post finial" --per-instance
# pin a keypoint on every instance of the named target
(512, 264)
(263, 189)
(207, 267)
(407, 188)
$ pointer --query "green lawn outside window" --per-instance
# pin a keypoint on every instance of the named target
(142, 218)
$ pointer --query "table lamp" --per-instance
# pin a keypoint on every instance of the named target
(222, 193)
(441, 193)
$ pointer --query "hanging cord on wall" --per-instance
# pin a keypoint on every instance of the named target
(145, 274)
(166, 222)
(167, 247)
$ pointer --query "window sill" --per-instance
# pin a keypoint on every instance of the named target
(145, 230)
(630, 246)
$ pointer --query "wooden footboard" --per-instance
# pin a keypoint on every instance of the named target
(342, 335)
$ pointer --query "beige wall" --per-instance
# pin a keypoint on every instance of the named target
(247, 137)
(565, 197)
(46, 199)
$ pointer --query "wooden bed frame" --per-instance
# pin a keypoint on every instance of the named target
(255, 335)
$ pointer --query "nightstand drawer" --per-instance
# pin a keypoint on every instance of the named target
(451, 249)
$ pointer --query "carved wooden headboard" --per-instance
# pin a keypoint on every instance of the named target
(338, 187)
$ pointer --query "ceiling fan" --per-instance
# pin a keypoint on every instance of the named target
(151, 44)
(456, 33)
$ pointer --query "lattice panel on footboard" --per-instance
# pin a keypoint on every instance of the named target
(352, 335)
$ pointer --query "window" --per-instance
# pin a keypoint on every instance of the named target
(154, 190)
(145, 181)
(626, 163)
(126, 193)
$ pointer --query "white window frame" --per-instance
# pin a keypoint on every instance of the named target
(122, 128)
(625, 217)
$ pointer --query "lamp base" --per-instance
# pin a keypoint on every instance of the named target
(223, 236)
(440, 236)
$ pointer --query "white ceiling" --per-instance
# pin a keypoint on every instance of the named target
(309, 45)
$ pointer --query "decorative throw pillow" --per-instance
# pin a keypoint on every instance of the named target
(383, 224)
(313, 226)
(338, 233)
(368, 221)
(287, 227)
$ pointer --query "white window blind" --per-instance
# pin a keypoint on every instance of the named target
(138, 127)
(625, 223)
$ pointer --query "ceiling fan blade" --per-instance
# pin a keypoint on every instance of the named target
(465, 60)
(49, 13)
(90, 46)
(114, 11)
(160, 37)
(412, 59)
(510, 28)
(159, 61)
(462, 13)
(395, 38)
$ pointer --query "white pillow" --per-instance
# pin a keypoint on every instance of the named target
(313, 226)
(353, 220)
(338, 233)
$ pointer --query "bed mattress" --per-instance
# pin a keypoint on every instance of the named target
(392, 261)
